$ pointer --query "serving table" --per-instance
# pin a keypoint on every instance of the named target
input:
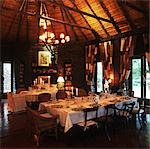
(70, 110)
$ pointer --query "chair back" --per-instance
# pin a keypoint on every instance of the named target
(127, 108)
(82, 92)
(87, 111)
(20, 89)
(44, 97)
(61, 94)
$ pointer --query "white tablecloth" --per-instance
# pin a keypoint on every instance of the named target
(68, 116)
(17, 102)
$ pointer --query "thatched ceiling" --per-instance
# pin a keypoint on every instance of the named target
(83, 20)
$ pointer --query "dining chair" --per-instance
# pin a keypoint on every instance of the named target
(125, 113)
(44, 97)
(82, 92)
(20, 89)
(41, 123)
(89, 122)
(108, 119)
(61, 94)
(140, 112)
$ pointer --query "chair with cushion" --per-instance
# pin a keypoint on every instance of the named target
(89, 122)
(41, 123)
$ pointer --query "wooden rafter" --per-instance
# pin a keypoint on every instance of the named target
(84, 18)
(20, 19)
(79, 11)
(97, 19)
(71, 26)
(48, 18)
(141, 10)
(122, 35)
(17, 13)
(109, 15)
(125, 13)
(76, 23)
(63, 20)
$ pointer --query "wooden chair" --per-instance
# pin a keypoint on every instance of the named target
(89, 122)
(61, 94)
(140, 112)
(41, 123)
(107, 120)
(125, 113)
(44, 97)
(20, 89)
(82, 92)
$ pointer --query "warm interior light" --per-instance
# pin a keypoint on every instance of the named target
(62, 35)
(63, 41)
(67, 38)
(60, 79)
(56, 41)
(52, 35)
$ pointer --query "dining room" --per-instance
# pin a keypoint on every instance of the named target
(74, 74)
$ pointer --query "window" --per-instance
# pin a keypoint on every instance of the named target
(7, 77)
(136, 77)
(147, 80)
(99, 77)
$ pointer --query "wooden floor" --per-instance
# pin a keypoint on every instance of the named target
(14, 133)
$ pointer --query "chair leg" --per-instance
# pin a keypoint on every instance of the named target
(56, 133)
(37, 140)
(106, 132)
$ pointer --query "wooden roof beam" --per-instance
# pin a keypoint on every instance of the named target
(109, 15)
(48, 18)
(125, 13)
(122, 35)
(97, 19)
(17, 13)
(79, 11)
(24, 3)
(84, 19)
(71, 26)
(141, 10)
(63, 20)
(76, 23)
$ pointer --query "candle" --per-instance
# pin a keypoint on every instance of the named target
(72, 90)
(77, 93)
(34, 83)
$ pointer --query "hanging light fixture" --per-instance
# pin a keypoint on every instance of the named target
(45, 34)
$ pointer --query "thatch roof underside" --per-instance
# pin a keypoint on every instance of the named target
(83, 20)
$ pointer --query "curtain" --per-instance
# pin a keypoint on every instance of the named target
(91, 52)
(127, 47)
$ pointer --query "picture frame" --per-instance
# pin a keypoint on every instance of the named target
(46, 79)
(44, 58)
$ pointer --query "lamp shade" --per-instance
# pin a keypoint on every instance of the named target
(60, 79)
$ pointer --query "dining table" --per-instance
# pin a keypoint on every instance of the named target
(70, 111)
(17, 101)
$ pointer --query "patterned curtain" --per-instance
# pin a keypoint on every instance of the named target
(90, 51)
(106, 54)
(127, 47)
